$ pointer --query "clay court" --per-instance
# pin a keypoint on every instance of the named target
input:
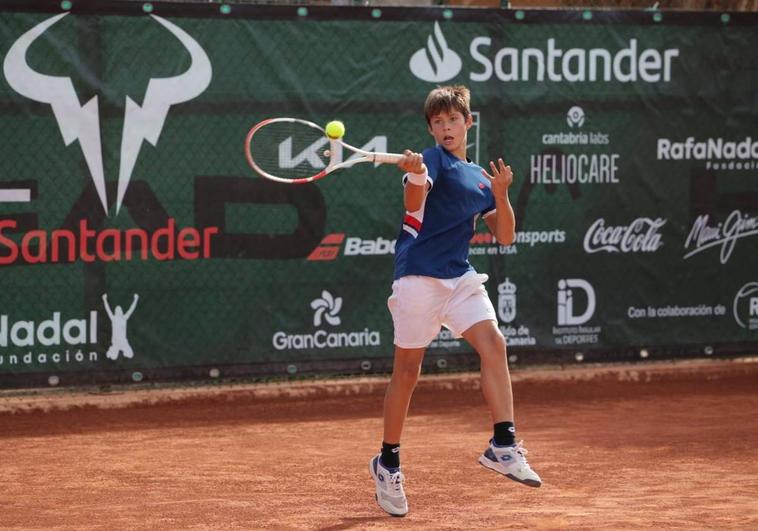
(669, 445)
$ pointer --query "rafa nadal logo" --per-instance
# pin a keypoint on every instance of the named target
(82, 122)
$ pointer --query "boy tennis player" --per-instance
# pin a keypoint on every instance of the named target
(435, 285)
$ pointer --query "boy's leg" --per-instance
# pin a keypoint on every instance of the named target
(405, 372)
(415, 306)
(386, 472)
(510, 461)
(489, 343)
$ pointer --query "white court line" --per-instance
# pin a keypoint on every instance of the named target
(22, 195)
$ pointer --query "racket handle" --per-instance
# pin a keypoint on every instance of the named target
(386, 158)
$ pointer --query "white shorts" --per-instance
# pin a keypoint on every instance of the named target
(421, 305)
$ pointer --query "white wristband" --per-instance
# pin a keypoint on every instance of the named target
(419, 179)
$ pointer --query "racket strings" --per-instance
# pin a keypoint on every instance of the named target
(289, 150)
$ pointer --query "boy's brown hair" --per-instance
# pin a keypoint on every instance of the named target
(448, 99)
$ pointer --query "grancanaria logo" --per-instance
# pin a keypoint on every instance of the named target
(436, 62)
(327, 307)
(82, 122)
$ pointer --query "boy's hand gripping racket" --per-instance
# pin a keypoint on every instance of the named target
(294, 151)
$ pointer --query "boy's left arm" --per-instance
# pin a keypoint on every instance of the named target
(503, 222)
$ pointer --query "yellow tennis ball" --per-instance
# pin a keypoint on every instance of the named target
(335, 129)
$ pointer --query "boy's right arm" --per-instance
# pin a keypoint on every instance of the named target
(417, 185)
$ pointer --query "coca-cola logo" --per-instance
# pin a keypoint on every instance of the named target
(639, 236)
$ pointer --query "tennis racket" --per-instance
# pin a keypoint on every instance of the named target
(294, 151)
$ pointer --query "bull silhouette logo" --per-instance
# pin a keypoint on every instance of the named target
(82, 122)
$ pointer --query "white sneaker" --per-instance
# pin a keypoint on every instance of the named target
(511, 462)
(389, 488)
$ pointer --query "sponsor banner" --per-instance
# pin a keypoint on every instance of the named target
(121, 173)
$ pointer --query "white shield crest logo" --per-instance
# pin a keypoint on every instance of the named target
(506, 301)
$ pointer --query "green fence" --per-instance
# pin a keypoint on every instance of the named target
(136, 243)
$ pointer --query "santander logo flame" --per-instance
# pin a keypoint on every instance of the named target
(436, 62)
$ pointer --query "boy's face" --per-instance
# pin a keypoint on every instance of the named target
(449, 130)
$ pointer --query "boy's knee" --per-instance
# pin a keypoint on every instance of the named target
(493, 346)
(406, 372)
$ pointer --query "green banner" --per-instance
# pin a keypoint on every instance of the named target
(136, 242)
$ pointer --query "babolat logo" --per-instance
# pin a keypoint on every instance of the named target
(331, 244)
(438, 62)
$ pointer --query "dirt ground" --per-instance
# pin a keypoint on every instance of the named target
(618, 447)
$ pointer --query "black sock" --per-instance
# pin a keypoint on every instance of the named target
(390, 455)
(505, 434)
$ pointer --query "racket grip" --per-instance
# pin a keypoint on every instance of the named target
(386, 158)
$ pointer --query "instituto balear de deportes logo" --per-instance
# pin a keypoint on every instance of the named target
(576, 302)
(567, 305)
(745, 306)
(59, 340)
(326, 311)
(81, 123)
(436, 61)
